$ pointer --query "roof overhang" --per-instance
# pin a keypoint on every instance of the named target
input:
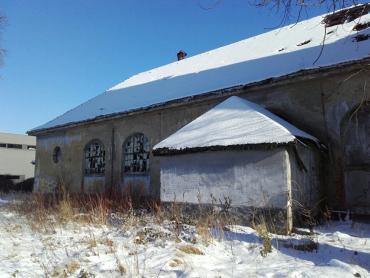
(265, 146)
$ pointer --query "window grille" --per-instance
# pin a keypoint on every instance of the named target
(94, 159)
(136, 154)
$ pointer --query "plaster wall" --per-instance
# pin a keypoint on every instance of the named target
(306, 171)
(113, 134)
(253, 178)
(356, 147)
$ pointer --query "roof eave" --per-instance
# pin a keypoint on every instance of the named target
(240, 147)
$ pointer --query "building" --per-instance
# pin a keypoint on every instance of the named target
(107, 142)
(240, 153)
(17, 156)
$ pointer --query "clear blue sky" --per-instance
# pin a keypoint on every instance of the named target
(62, 53)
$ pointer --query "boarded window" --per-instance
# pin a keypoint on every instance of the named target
(136, 154)
(94, 159)
(57, 154)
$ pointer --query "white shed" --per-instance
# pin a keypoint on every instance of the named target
(240, 151)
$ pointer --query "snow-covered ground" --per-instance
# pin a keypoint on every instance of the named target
(144, 248)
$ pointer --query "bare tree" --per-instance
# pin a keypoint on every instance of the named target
(289, 8)
(339, 12)
(291, 4)
(295, 8)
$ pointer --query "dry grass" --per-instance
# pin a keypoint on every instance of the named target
(72, 267)
(65, 209)
(204, 233)
(176, 262)
(108, 242)
(189, 249)
(91, 243)
(46, 210)
(120, 267)
(67, 271)
(262, 231)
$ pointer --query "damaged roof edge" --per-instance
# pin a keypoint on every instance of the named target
(169, 152)
(261, 146)
(213, 94)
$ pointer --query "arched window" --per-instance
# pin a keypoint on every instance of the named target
(94, 158)
(136, 154)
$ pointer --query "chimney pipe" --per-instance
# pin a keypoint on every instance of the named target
(181, 55)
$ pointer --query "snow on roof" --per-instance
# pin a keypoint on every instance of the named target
(235, 121)
(272, 54)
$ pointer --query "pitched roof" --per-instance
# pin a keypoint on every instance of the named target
(235, 121)
(272, 54)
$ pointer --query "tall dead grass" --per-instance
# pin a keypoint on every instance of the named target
(63, 207)
(48, 210)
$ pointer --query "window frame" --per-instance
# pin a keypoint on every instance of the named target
(87, 146)
(125, 154)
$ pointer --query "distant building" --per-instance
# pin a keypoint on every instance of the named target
(17, 156)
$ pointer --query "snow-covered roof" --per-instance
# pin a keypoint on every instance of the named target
(235, 121)
(273, 54)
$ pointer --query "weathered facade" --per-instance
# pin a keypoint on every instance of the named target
(258, 178)
(325, 103)
(107, 141)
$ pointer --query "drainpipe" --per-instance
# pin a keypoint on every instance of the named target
(112, 163)
(289, 223)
